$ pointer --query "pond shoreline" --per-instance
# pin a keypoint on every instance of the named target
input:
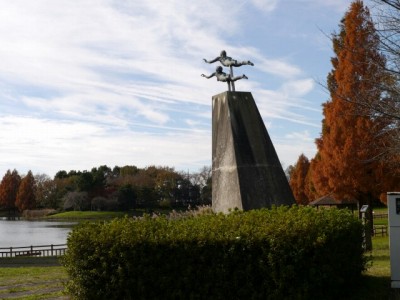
(25, 233)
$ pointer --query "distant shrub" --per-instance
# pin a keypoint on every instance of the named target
(282, 253)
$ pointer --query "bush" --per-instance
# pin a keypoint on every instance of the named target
(282, 253)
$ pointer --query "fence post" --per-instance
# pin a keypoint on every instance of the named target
(10, 251)
(51, 249)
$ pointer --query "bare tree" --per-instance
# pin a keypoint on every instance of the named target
(76, 201)
(386, 14)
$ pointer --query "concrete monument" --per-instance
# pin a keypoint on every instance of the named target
(246, 171)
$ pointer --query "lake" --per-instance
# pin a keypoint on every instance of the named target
(21, 233)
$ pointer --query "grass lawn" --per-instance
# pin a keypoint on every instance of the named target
(381, 210)
(37, 279)
(376, 280)
(87, 215)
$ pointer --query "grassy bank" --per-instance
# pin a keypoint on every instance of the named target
(102, 215)
(88, 215)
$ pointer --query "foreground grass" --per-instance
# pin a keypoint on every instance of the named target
(375, 283)
(31, 282)
(376, 280)
(381, 257)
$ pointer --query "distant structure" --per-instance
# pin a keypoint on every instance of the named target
(246, 171)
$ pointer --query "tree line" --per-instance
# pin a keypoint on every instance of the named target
(358, 150)
(103, 188)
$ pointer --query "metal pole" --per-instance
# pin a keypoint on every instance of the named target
(232, 82)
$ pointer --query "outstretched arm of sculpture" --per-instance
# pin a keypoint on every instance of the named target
(208, 77)
(211, 61)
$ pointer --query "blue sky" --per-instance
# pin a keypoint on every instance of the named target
(85, 83)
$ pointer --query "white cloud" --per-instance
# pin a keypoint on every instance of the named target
(339, 5)
(50, 145)
(95, 80)
(265, 5)
(287, 102)
(303, 136)
(298, 88)
(191, 122)
(278, 67)
(293, 144)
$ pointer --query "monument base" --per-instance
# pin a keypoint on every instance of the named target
(246, 172)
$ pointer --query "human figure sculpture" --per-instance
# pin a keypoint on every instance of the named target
(227, 61)
(222, 76)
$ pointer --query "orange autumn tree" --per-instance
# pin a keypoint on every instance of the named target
(351, 134)
(26, 198)
(310, 189)
(298, 181)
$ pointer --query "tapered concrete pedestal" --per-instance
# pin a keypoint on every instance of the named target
(246, 172)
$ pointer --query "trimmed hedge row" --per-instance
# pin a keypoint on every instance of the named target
(281, 253)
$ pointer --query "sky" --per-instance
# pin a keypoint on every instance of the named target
(85, 83)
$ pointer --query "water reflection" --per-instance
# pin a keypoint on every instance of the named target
(21, 233)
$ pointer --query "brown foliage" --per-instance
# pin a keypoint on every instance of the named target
(8, 189)
(298, 180)
(26, 193)
(352, 138)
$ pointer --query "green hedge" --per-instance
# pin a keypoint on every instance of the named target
(281, 253)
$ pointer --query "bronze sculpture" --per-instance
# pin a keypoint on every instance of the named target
(222, 76)
(227, 62)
